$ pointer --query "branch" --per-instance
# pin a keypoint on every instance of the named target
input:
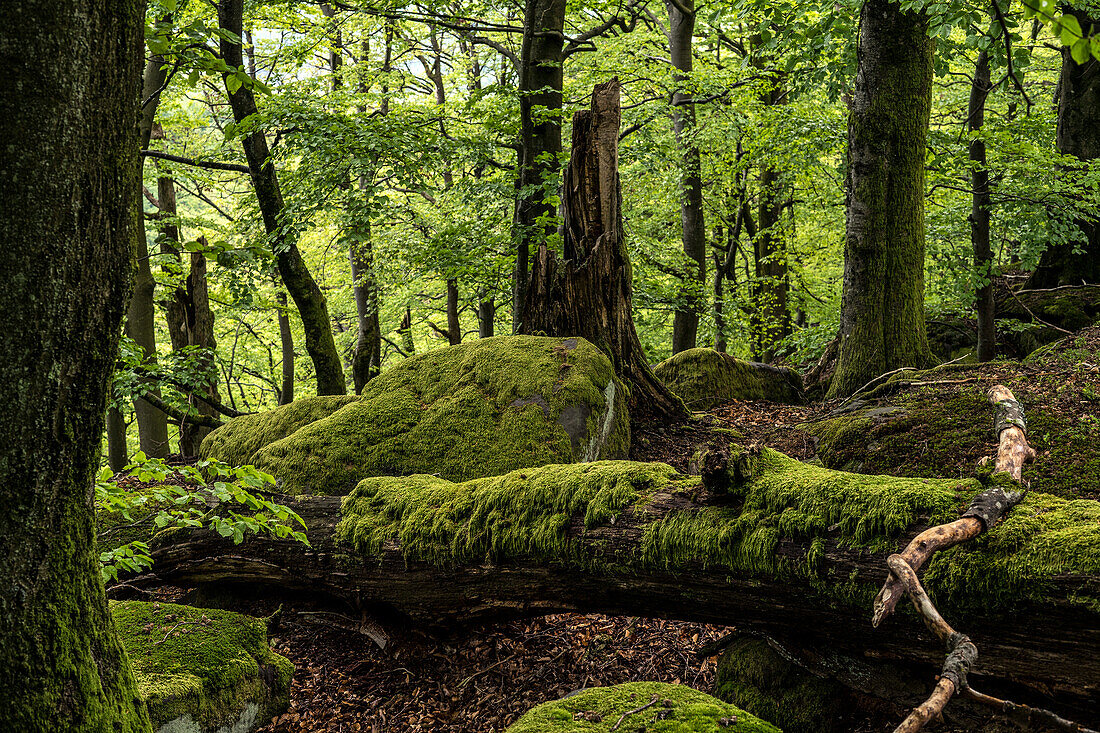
(211, 164)
(1008, 53)
(204, 421)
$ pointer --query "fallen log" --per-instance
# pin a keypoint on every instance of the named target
(761, 541)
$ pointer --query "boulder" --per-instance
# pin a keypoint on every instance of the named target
(704, 378)
(202, 670)
(461, 412)
(639, 707)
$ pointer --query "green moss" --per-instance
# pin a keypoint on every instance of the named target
(754, 676)
(678, 709)
(211, 665)
(704, 378)
(466, 411)
(237, 441)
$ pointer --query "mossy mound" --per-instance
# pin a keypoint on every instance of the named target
(678, 709)
(759, 678)
(478, 409)
(202, 670)
(704, 378)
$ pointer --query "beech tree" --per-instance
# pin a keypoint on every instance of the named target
(68, 169)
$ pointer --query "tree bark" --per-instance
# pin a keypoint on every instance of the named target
(292, 267)
(685, 324)
(286, 341)
(486, 316)
(406, 332)
(454, 327)
(882, 307)
(540, 104)
(117, 452)
(68, 119)
(1078, 135)
(979, 212)
(588, 293)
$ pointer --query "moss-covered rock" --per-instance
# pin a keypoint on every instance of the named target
(477, 409)
(678, 709)
(757, 677)
(704, 378)
(201, 670)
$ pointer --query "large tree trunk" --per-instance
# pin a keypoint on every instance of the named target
(292, 268)
(882, 308)
(685, 324)
(588, 293)
(69, 157)
(540, 100)
(1078, 135)
(979, 212)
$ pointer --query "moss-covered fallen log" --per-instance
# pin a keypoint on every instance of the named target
(763, 541)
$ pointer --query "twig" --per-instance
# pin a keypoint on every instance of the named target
(624, 716)
(480, 672)
(1035, 317)
(1025, 714)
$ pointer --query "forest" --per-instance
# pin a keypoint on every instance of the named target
(550, 366)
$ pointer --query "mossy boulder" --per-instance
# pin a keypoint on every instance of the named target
(704, 378)
(758, 677)
(477, 409)
(202, 670)
(675, 709)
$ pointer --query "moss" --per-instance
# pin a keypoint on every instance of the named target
(704, 378)
(754, 676)
(466, 411)
(206, 664)
(679, 710)
(237, 441)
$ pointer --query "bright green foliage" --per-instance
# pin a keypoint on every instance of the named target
(678, 709)
(704, 377)
(476, 409)
(214, 666)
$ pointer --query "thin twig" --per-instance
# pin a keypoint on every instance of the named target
(624, 716)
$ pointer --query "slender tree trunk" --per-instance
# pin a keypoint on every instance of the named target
(406, 332)
(685, 324)
(140, 324)
(486, 316)
(68, 119)
(1078, 135)
(292, 268)
(588, 293)
(286, 339)
(540, 103)
(882, 308)
(367, 358)
(454, 327)
(979, 212)
(117, 452)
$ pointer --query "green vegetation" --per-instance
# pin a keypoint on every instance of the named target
(214, 667)
(678, 709)
(476, 409)
(704, 378)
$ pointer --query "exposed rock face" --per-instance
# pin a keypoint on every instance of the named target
(645, 707)
(202, 670)
(704, 378)
(467, 411)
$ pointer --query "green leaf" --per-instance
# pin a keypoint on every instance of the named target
(232, 83)
(1071, 30)
(1080, 50)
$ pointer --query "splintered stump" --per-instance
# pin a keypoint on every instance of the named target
(587, 292)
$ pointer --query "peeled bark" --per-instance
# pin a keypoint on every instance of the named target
(588, 293)
(685, 324)
(979, 212)
(540, 103)
(307, 296)
(68, 119)
(286, 341)
(882, 307)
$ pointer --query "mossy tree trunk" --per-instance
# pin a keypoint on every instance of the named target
(588, 293)
(1078, 135)
(882, 307)
(685, 324)
(979, 211)
(292, 267)
(68, 119)
(540, 101)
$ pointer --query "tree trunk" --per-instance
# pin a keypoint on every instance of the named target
(882, 307)
(140, 314)
(540, 103)
(68, 119)
(685, 324)
(367, 359)
(486, 317)
(117, 452)
(292, 268)
(588, 293)
(979, 212)
(286, 340)
(454, 327)
(1078, 135)
(406, 332)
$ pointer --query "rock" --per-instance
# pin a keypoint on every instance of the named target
(477, 409)
(201, 670)
(667, 708)
(704, 378)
